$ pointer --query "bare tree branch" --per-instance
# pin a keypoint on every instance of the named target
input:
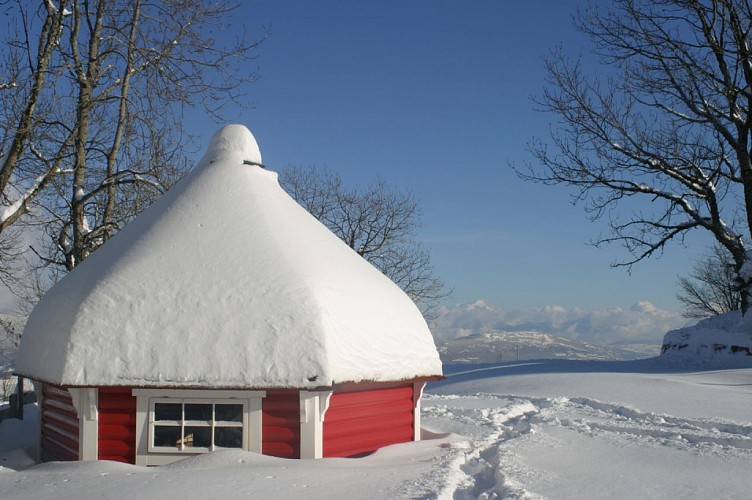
(668, 124)
(711, 287)
(92, 98)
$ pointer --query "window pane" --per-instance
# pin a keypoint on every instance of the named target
(167, 411)
(166, 436)
(197, 437)
(228, 437)
(228, 413)
(198, 411)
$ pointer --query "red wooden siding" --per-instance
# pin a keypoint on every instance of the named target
(358, 422)
(117, 425)
(59, 439)
(280, 423)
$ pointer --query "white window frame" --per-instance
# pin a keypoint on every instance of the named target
(147, 454)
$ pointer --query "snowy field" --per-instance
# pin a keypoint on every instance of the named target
(546, 429)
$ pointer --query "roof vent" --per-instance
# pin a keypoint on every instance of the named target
(249, 162)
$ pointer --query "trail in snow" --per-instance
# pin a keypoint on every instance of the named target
(486, 466)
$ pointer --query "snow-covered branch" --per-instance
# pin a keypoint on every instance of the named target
(102, 86)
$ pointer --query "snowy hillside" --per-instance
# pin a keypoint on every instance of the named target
(498, 346)
(726, 336)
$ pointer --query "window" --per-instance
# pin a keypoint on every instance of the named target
(195, 425)
(171, 423)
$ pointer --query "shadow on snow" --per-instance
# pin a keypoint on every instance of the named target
(456, 373)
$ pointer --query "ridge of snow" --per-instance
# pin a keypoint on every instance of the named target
(226, 281)
(724, 336)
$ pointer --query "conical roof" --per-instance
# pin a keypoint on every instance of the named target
(226, 281)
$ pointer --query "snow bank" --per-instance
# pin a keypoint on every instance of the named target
(723, 337)
(226, 281)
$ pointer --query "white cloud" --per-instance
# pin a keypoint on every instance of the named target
(643, 322)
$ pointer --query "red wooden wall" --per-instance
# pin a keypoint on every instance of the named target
(117, 425)
(59, 439)
(280, 423)
(359, 422)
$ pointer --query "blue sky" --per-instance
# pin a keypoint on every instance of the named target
(435, 98)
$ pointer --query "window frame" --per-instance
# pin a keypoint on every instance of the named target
(147, 454)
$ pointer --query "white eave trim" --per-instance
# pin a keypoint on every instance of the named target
(198, 393)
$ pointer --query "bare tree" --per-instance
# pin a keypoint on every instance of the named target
(92, 100)
(668, 122)
(711, 288)
(26, 69)
(377, 222)
(10, 338)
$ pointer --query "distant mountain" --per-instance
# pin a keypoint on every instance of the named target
(497, 346)
(637, 351)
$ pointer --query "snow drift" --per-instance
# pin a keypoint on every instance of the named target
(726, 336)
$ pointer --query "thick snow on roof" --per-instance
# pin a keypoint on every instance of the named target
(226, 281)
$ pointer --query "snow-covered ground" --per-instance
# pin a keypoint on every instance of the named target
(644, 429)
(653, 428)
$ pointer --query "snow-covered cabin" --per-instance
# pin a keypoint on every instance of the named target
(226, 316)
